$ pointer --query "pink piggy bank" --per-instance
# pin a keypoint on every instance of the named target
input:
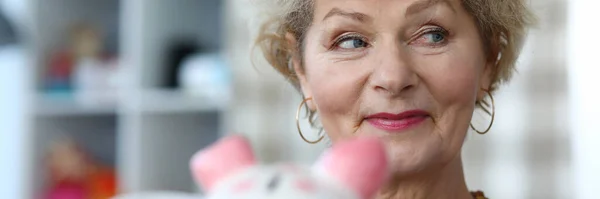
(353, 169)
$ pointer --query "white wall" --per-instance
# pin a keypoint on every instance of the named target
(584, 83)
(14, 135)
(15, 84)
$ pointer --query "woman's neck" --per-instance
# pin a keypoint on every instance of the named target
(437, 183)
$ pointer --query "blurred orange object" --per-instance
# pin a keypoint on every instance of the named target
(102, 183)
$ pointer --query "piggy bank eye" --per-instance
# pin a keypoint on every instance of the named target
(274, 183)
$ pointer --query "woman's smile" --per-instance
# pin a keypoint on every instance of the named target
(397, 123)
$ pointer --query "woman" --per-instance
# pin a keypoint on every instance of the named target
(411, 72)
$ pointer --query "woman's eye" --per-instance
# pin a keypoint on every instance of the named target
(351, 43)
(432, 37)
(435, 37)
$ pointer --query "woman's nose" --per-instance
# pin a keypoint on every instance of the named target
(393, 73)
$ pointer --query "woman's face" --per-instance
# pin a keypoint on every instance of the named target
(407, 71)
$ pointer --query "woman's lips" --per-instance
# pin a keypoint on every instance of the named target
(396, 123)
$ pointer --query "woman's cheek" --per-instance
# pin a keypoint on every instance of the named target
(336, 86)
(452, 80)
(336, 89)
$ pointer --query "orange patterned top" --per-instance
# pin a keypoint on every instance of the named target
(478, 195)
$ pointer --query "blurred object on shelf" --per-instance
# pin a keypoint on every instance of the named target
(176, 54)
(206, 75)
(67, 191)
(102, 183)
(85, 42)
(73, 174)
(58, 78)
(96, 81)
(67, 164)
(85, 69)
(95, 76)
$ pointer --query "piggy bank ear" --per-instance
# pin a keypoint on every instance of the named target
(221, 159)
(360, 164)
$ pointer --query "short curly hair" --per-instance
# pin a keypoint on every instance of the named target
(502, 25)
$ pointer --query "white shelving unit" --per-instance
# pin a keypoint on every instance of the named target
(147, 132)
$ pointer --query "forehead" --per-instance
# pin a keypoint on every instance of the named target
(371, 8)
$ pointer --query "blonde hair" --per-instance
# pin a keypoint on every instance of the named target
(502, 26)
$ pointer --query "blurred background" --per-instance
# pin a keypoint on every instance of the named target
(107, 96)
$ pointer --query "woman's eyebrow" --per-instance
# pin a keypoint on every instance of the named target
(425, 4)
(357, 16)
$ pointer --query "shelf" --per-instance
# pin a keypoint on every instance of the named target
(175, 101)
(47, 104)
(151, 101)
(147, 132)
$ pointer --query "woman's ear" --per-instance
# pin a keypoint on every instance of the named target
(492, 61)
(299, 70)
(485, 81)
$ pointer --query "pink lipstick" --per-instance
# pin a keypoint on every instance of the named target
(397, 122)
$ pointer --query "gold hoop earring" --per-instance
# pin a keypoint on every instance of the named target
(492, 113)
(298, 123)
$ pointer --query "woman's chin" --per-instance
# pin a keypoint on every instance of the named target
(410, 158)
